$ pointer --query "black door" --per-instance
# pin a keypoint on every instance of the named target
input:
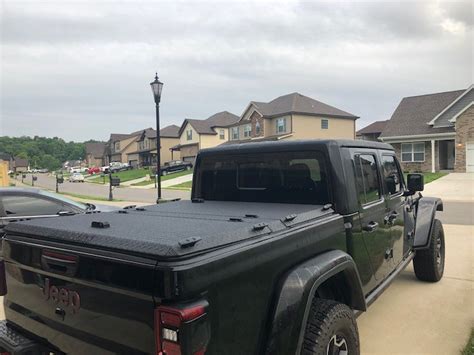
(376, 233)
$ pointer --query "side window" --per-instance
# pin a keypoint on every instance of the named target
(30, 206)
(367, 178)
(393, 178)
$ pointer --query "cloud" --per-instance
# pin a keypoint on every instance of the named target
(81, 69)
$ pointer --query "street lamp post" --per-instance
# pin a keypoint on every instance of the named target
(156, 88)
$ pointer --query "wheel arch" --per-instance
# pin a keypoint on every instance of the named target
(295, 293)
(425, 216)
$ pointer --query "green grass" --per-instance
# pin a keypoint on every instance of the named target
(184, 186)
(469, 348)
(430, 177)
(123, 175)
(164, 178)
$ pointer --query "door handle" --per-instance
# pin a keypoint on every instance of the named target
(389, 219)
(371, 226)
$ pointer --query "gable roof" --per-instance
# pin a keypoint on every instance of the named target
(373, 128)
(20, 162)
(220, 119)
(171, 131)
(118, 137)
(95, 149)
(432, 122)
(297, 103)
(413, 113)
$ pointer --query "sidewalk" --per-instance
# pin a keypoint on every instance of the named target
(166, 183)
(452, 187)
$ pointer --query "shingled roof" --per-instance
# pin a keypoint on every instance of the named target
(220, 119)
(95, 149)
(296, 103)
(373, 128)
(413, 114)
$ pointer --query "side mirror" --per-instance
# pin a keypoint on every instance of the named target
(415, 183)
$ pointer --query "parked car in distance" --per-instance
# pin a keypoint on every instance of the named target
(94, 170)
(76, 177)
(174, 166)
(18, 204)
(281, 246)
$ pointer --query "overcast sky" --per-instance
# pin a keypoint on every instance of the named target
(81, 69)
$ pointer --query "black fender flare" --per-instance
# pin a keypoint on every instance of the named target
(425, 216)
(296, 292)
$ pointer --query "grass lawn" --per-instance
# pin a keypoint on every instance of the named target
(429, 177)
(164, 178)
(123, 175)
(184, 186)
(469, 349)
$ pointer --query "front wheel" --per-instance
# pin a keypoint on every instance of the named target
(429, 263)
(331, 330)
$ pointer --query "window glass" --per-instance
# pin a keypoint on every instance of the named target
(30, 206)
(284, 177)
(324, 124)
(413, 152)
(189, 134)
(367, 179)
(393, 178)
(235, 132)
(281, 125)
(247, 130)
(257, 128)
(221, 134)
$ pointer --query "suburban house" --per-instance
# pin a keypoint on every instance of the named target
(371, 132)
(434, 132)
(118, 146)
(144, 148)
(198, 134)
(20, 165)
(95, 154)
(292, 116)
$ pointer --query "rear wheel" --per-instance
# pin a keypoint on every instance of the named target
(429, 263)
(331, 330)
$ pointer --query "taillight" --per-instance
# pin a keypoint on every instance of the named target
(182, 329)
(3, 279)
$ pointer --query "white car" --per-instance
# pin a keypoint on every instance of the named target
(76, 177)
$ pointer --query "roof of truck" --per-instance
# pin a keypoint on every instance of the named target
(280, 145)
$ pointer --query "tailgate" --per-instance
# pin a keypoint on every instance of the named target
(78, 302)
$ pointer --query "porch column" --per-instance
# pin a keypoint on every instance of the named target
(433, 157)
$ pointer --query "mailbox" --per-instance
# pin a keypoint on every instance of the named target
(60, 179)
(114, 181)
(23, 176)
(35, 178)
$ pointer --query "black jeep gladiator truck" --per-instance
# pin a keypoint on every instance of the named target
(280, 248)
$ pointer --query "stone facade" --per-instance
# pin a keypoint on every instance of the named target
(417, 166)
(464, 134)
(254, 119)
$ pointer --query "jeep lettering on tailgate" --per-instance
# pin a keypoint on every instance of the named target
(62, 296)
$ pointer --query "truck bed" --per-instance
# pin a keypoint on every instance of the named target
(179, 229)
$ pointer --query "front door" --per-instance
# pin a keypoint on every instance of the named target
(375, 232)
(395, 204)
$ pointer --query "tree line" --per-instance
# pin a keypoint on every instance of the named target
(42, 152)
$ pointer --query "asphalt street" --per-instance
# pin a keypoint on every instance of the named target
(102, 191)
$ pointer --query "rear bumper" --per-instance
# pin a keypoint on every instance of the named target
(17, 343)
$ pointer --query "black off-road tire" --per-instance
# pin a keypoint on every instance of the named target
(330, 322)
(429, 263)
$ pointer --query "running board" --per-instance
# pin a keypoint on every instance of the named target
(384, 285)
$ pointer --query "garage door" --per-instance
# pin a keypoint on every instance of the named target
(470, 157)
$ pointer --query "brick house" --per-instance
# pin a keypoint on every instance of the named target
(371, 132)
(434, 132)
(95, 154)
(292, 116)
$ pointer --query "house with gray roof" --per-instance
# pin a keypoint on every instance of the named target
(198, 134)
(434, 132)
(292, 116)
(95, 154)
(371, 132)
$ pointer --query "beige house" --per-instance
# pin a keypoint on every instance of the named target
(292, 116)
(118, 146)
(143, 151)
(95, 154)
(199, 134)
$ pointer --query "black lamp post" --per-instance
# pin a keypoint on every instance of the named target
(156, 88)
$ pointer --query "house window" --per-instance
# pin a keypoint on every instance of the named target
(413, 152)
(117, 146)
(189, 134)
(257, 128)
(281, 125)
(247, 130)
(324, 123)
(235, 133)
(221, 134)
